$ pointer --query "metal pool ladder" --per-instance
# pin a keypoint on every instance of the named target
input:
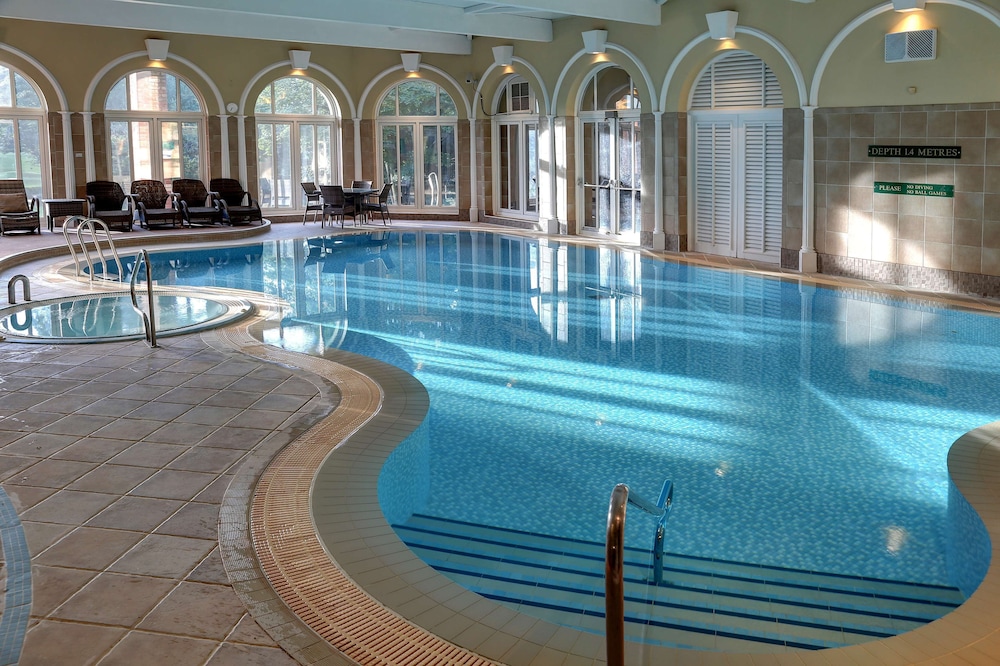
(614, 583)
(91, 225)
(148, 318)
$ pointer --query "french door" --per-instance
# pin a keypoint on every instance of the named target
(737, 189)
(420, 160)
(612, 171)
(517, 171)
(289, 153)
(154, 149)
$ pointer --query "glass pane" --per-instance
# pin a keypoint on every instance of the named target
(8, 149)
(531, 167)
(263, 104)
(388, 105)
(407, 167)
(191, 150)
(324, 105)
(390, 159)
(293, 95)
(282, 185)
(117, 100)
(324, 154)
(189, 100)
(170, 142)
(502, 103)
(149, 91)
(170, 85)
(27, 98)
(505, 158)
(31, 157)
(265, 162)
(417, 98)
(447, 105)
(449, 162)
(5, 99)
(307, 155)
(432, 166)
(142, 157)
(121, 158)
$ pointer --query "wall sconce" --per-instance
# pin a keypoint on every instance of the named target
(156, 49)
(411, 61)
(594, 41)
(300, 59)
(722, 25)
(908, 5)
(503, 56)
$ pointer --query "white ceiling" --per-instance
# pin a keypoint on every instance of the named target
(433, 26)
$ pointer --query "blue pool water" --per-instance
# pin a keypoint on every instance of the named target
(801, 426)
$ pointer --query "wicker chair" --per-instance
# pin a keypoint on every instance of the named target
(380, 204)
(314, 200)
(16, 212)
(151, 199)
(238, 207)
(195, 202)
(336, 204)
(108, 202)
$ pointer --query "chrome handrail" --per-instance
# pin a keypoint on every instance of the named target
(148, 320)
(90, 224)
(614, 558)
(25, 288)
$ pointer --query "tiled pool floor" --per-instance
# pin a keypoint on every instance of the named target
(132, 474)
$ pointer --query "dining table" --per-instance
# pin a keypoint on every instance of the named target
(357, 196)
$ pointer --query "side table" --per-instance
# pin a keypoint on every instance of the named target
(63, 207)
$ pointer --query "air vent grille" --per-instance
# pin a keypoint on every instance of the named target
(913, 45)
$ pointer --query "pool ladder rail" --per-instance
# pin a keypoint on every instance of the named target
(148, 315)
(83, 225)
(614, 579)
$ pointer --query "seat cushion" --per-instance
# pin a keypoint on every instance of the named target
(13, 203)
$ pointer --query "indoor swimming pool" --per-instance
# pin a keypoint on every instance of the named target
(805, 429)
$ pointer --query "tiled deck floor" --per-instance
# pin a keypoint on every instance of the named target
(118, 460)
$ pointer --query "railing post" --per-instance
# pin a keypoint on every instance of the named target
(25, 288)
(614, 585)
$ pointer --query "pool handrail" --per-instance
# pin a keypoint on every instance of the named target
(148, 319)
(614, 557)
(84, 224)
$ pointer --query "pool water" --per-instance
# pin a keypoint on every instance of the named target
(802, 427)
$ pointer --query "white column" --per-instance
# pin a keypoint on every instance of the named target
(69, 164)
(552, 223)
(224, 145)
(659, 238)
(473, 173)
(807, 255)
(88, 145)
(357, 151)
(241, 136)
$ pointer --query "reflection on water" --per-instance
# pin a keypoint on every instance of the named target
(801, 427)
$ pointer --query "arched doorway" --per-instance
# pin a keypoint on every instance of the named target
(735, 149)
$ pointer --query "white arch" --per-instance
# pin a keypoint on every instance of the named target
(793, 65)
(546, 101)
(972, 5)
(60, 95)
(284, 64)
(88, 97)
(445, 75)
(613, 47)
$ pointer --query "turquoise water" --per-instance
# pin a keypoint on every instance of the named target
(802, 427)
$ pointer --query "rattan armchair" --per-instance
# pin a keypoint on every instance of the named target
(107, 201)
(195, 202)
(17, 213)
(238, 207)
(153, 204)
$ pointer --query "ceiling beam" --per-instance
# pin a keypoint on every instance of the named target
(402, 14)
(645, 12)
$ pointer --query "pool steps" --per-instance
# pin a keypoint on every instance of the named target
(702, 603)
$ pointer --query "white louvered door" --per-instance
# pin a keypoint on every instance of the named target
(736, 150)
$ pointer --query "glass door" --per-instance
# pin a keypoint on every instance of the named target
(135, 155)
(518, 168)
(612, 176)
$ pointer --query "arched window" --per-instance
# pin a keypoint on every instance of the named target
(418, 126)
(156, 128)
(516, 153)
(298, 140)
(612, 157)
(22, 124)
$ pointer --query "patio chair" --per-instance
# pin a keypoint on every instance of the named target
(195, 202)
(238, 207)
(336, 204)
(16, 212)
(314, 200)
(152, 203)
(107, 201)
(360, 184)
(380, 204)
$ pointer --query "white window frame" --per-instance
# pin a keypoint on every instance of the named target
(521, 119)
(15, 114)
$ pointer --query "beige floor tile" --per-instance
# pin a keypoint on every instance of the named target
(69, 507)
(114, 599)
(112, 478)
(52, 643)
(51, 586)
(92, 449)
(207, 459)
(148, 649)
(89, 548)
(141, 514)
(195, 520)
(250, 655)
(164, 555)
(149, 454)
(174, 484)
(197, 609)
